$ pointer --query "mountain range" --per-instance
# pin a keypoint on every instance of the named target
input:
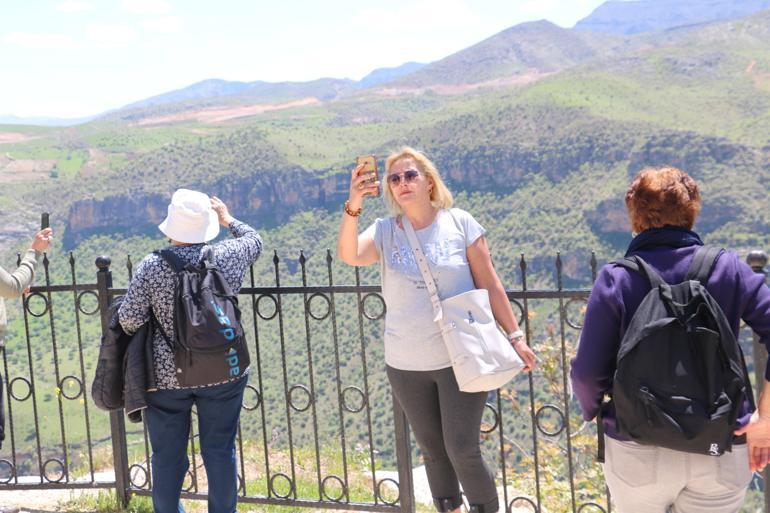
(537, 131)
(516, 55)
(636, 16)
(532, 102)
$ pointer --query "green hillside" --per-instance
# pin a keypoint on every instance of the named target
(541, 163)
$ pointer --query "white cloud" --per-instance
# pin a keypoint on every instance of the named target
(107, 35)
(39, 41)
(151, 7)
(164, 24)
(73, 6)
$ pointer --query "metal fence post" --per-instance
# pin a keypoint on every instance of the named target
(117, 421)
(403, 460)
(757, 260)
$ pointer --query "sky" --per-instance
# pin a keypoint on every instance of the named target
(75, 58)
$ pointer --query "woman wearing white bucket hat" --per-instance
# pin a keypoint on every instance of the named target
(193, 220)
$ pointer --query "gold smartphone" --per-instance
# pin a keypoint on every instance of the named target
(370, 168)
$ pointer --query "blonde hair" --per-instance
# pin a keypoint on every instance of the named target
(440, 196)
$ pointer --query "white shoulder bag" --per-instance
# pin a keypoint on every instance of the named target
(482, 357)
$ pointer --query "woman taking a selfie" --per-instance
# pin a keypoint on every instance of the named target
(446, 421)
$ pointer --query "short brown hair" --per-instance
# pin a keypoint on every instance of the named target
(662, 196)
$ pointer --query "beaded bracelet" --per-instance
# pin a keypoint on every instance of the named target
(353, 213)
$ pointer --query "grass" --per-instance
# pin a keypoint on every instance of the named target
(730, 103)
(106, 502)
(306, 477)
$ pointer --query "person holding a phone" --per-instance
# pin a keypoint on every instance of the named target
(13, 285)
(446, 421)
(193, 222)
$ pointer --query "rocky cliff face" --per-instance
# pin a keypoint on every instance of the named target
(267, 199)
(263, 199)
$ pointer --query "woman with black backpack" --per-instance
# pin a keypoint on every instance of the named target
(660, 338)
(216, 390)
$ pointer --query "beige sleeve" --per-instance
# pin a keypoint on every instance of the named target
(13, 284)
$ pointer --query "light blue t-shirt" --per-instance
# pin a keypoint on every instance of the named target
(412, 338)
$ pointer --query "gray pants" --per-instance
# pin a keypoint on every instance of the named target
(649, 479)
(446, 424)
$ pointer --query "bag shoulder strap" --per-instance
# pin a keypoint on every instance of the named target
(177, 266)
(156, 323)
(207, 256)
(702, 263)
(600, 436)
(422, 265)
(172, 259)
(639, 266)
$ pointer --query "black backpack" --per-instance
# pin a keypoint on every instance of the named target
(680, 376)
(210, 346)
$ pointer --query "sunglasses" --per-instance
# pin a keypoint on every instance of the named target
(408, 177)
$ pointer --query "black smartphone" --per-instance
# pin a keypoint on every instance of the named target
(44, 221)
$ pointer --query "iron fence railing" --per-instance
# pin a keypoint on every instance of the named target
(319, 427)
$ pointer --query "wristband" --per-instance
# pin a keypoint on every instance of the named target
(515, 336)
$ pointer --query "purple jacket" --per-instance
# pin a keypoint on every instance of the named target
(616, 295)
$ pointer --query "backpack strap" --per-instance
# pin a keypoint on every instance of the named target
(156, 323)
(207, 256)
(749, 390)
(172, 259)
(600, 436)
(702, 263)
(639, 266)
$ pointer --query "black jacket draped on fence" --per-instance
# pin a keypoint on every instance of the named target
(124, 372)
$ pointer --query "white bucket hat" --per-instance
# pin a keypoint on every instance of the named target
(190, 218)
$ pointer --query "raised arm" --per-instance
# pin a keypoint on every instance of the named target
(352, 248)
(13, 284)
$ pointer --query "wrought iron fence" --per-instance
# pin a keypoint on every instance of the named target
(319, 427)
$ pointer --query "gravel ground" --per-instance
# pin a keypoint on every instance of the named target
(45, 501)
(38, 500)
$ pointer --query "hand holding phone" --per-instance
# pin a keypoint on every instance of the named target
(43, 237)
(369, 163)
